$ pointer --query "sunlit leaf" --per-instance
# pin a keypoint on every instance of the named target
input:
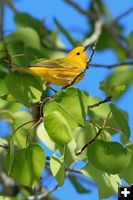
(79, 187)
(57, 168)
(107, 183)
(127, 173)
(57, 128)
(72, 104)
(120, 120)
(125, 75)
(28, 165)
(110, 157)
(26, 88)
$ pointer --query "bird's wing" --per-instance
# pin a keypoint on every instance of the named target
(55, 63)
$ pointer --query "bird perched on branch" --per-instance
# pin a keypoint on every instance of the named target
(60, 71)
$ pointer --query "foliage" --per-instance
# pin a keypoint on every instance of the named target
(74, 125)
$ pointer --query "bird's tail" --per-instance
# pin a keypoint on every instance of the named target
(19, 69)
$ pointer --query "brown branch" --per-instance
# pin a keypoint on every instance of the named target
(89, 14)
(88, 143)
(115, 129)
(5, 146)
(24, 54)
(2, 7)
(45, 194)
(108, 99)
(23, 125)
(6, 119)
(127, 12)
(38, 122)
(93, 140)
(112, 66)
(10, 3)
(73, 170)
(115, 34)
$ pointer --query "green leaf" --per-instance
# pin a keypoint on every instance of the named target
(26, 35)
(69, 154)
(28, 165)
(111, 89)
(101, 110)
(58, 128)
(120, 120)
(125, 74)
(79, 188)
(130, 40)
(26, 20)
(127, 173)
(44, 137)
(107, 183)
(26, 88)
(85, 134)
(10, 154)
(21, 117)
(10, 198)
(57, 168)
(110, 157)
(17, 47)
(72, 104)
(3, 89)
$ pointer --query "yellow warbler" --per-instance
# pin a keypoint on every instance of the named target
(60, 71)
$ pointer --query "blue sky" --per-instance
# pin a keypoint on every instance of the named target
(71, 20)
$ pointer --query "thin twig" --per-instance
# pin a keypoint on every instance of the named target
(73, 170)
(2, 6)
(38, 122)
(12, 6)
(89, 14)
(114, 129)
(6, 119)
(115, 34)
(127, 12)
(88, 143)
(108, 99)
(24, 54)
(45, 194)
(93, 140)
(23, 125)
(5, 146)
(112, 66)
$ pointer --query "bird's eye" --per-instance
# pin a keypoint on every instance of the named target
(78, 53)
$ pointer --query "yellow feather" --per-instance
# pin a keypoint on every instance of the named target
(60, 71)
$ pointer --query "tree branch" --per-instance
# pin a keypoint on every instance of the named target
(5, 146)
(93, 140)
(112, 66)
(2, 5)
(101, 102)
(10, 3)
(45, 194)
(97, 32)
(89, 14)
(127, 12)
(88, 143)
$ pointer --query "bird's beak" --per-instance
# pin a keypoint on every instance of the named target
(86, 47)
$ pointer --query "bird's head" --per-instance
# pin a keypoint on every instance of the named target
(79, 54)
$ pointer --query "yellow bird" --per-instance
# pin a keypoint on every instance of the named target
(60, 71)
